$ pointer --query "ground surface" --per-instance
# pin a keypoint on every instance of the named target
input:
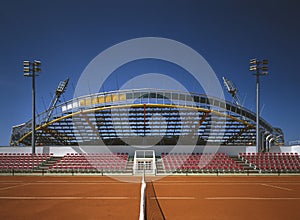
(68, 198)
(184, 197)
(229, 197)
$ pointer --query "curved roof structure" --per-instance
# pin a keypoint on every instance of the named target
(144, 116)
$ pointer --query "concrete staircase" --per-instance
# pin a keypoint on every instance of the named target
(129, 166)
(44, 167)
(159, 166)
(246, 167)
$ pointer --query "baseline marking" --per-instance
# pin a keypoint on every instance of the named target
(74, 183)
(225, 183)
(11, 181)
(276, 187)
(49, 181)
(78, 183)
(15, 186)
(252, 198)
(64, 198)
(174, 197)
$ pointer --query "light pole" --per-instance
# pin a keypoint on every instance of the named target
(260, 68)
(30, 70)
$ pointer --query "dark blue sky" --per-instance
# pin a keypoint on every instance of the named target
(66, 35)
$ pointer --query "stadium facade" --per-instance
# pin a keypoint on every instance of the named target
(145, 117)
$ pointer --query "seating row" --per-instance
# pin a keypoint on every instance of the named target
(272, 162)
(21, 162)
(200, 163)
(25, 154)
(90, 163)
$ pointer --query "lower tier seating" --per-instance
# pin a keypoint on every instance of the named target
(181, 162)
(170, 163)
(91, 163)
(20, 162)
(272, 162)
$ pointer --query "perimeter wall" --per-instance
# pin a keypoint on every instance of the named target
(229, 150)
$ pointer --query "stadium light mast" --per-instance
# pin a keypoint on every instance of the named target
(30, 70)
(232, 89)
(260, 68)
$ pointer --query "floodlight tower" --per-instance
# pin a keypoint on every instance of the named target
(232, 89)
(62, 86)
(30, 70)
(260, 68)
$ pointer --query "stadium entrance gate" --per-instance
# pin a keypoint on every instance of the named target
(144, 162)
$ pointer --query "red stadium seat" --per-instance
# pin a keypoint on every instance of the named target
(200, 162)
(93, 162)
(273, 162)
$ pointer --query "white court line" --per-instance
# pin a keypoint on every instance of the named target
(57, 181)
(177, 184)
(11, 181)
(65, 198)
(262, 181)
(75, 183)
(252, 198)
(225, 183)
(15, 186)
(60, 183)
(276, 187)
(173, 197)
(65, 181)
(79, 183)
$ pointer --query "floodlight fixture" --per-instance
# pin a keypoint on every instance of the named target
(62, 86)
(253, 68)
(37, 69)
(26, 63)
(26, 69)
(37, 63)
(253, 61)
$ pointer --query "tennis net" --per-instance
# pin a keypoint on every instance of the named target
(152, 206)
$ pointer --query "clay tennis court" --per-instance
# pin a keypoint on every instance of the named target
(68, 198)
(229, 197)
(183, 197)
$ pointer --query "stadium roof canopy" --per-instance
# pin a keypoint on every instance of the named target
(144, 116)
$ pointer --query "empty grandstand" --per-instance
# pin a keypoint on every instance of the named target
(129, 116)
